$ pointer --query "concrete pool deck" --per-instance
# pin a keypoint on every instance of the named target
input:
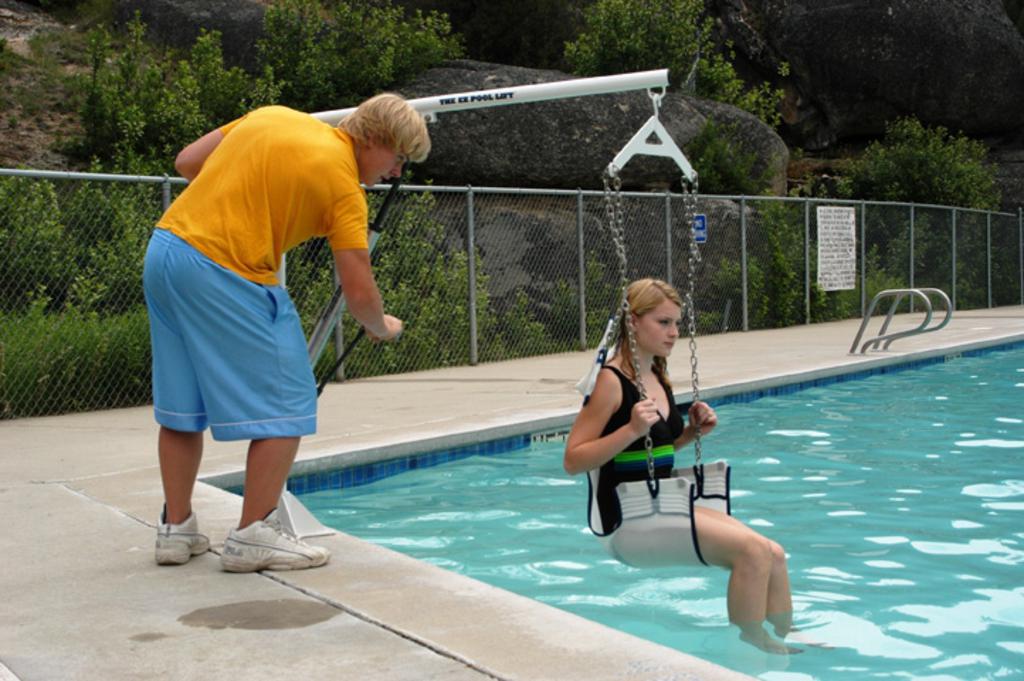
(79, 495)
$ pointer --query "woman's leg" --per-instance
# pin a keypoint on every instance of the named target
(753, 565)
(780, 599)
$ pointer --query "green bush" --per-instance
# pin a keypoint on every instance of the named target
(332, 55)
(516, 332)
(110, 225)
(723, 162)
(81, 249)
(915, 163)
(603, 296)
(827, 306)
(878, 277)
(775, 291)
(636, 35)
(37, 257)
(426, 286)
(139, 108)
(73, 361)
(781, 285)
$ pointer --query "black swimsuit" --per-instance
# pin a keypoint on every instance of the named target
(631, 464)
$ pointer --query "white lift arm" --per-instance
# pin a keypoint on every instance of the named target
(523, 94)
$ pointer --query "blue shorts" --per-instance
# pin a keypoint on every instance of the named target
(227, 352)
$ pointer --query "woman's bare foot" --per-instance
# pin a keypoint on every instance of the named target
(757, 636)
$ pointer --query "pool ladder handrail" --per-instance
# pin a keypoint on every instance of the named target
(897, 294)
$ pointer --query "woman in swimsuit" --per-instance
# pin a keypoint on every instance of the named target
(609, 433)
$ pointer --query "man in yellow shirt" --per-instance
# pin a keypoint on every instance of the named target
(228, 348)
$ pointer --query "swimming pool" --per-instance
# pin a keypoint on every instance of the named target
(898, 497)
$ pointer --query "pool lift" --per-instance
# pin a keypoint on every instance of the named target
(654, 512)
(294, 516)
(432, 107)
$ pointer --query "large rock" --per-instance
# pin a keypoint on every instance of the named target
(564, 143)
(177, 23)
(855, 64)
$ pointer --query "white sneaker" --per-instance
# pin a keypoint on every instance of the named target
(175, 544)
(266, 545)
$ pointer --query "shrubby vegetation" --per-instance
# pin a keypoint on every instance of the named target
(139, 107)
(624, 35)
(139, 110)
(73, 329)
(921, 164)
(70, 294)
(723, 163)
(75, 361)
(912, 164)
(924, 165)
(333, 55)
(775, 269)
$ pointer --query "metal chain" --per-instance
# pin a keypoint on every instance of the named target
(690, 211)
(616, 222)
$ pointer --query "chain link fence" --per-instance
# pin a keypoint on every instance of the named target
(478, 275)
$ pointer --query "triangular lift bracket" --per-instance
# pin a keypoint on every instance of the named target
(641, 144)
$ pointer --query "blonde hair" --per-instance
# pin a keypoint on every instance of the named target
(389, 120)
(642, 296)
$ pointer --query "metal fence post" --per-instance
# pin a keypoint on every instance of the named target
(912, 219)
(471, 252)
(807, 261)
(863, 258)
(166, 192)
(912, 254)
(668, 236)
(743, 259)
(582, 269)
(952, 246)
(988, 254)
(1020, 250)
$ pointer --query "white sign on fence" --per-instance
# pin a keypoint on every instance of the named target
(837, 248)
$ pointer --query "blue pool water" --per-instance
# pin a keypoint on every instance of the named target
(899, 499)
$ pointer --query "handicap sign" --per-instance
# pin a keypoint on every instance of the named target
(700, 228)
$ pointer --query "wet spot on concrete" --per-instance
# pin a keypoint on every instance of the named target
(148, 636)
(284, 613)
